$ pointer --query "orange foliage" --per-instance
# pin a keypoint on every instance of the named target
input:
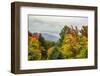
(34, 38)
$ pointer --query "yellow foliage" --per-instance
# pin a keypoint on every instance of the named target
(50, 51)
(34, 48)
(69, 39)
(66, 50)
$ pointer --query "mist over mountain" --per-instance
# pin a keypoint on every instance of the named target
(50, 37)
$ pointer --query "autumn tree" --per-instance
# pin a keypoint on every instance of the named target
(72, 43)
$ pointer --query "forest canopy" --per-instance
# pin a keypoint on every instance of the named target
(72, 44)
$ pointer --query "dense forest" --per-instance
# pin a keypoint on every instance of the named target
(72, 44)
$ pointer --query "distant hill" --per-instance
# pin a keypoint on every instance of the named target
(50, 37)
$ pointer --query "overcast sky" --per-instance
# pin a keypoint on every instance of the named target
(53, 24)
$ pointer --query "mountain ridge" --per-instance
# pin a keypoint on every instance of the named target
(50, 37)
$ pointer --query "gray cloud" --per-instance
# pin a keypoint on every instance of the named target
(54, 24)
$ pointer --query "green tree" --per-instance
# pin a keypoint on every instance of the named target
(84, 31)
(54, 53)
(63, 32)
